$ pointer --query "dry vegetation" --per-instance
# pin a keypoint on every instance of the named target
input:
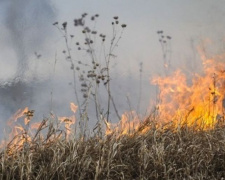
(165, 152)
(161, 153)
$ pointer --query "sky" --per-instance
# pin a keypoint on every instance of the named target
(26, 28)
(187, 22)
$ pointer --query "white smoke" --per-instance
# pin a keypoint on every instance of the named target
(28, 27)
(27, 23)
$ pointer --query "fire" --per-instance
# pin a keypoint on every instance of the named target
(35, 125)
(125, 126)
(16, 116)
(199, 103)
(68, 121)
(73, 107)
(129, 124)
(21, 134)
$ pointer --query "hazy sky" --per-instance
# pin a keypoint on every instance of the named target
(190, 23)
(185, 21)
(26, 27)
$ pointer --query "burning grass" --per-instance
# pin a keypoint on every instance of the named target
(159, 153)
(183, 139)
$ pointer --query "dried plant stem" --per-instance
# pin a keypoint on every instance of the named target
(54, 67)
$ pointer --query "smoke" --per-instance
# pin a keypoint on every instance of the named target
(28, 25)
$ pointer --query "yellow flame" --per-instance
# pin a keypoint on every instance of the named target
(73, 107)
(128, 125)
(68, 121)
(198, 103)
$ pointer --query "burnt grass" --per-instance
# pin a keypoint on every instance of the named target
(160, 153)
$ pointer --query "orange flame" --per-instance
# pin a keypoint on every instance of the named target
(35, 125)
(19, 113)
(19, 135)
(73, 107)
(128, 125)
(199, 103)
(68, 121)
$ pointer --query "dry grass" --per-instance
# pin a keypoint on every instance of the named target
(160, 153)
(157, 154)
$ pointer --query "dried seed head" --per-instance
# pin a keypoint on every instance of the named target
(105, 82)
(159, 32)
(94, 32)
(84, 15)
(88, 51)
(87, 29)
(64, 25)
(81, 78)
(79, 22)
(123, 25)
(91, 75)
(84, 84)
(55, 23)
(115, 17)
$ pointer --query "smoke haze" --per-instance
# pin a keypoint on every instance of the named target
(27, 23)
(26, 27)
